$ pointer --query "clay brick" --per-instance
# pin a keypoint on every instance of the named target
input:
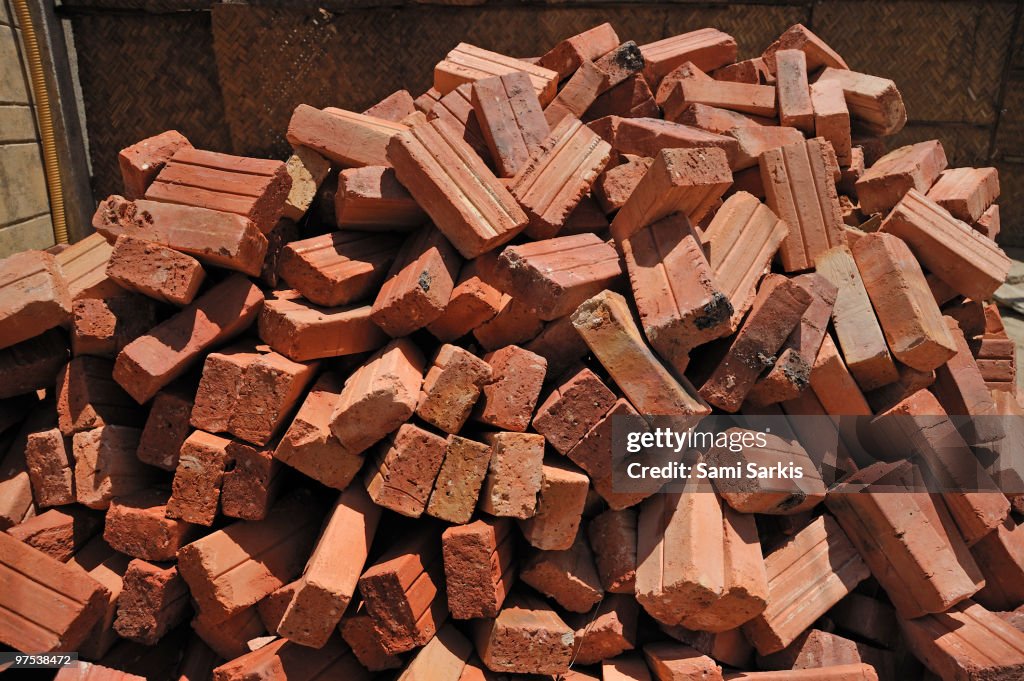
(198, 478)
(230, 638)
(757, 100)
(404, 592)
(742, 238)
(966, 642)
(211, 236)
(808, 574)
(137, 525)
(58, 533)
(1000, 556)
(625, 668)
(568, 55)
(906, 310)
(801, 190)
(250, 187)
(511, 119)
(671, 661)
(16, 503)
(378, 397)
(557, 177)
(851, 172)
(675, 292)
(88, 397)
(394, 107)
(594, 454)
(632, 98)
(155, 271)
(442, 659)
(989, 224)
(405, 469)
(613, 538)
(361, 635)
(572, 408)
(473, 302)
(104, 326)
(308, 445)
(560, 344)
(514, 477)
(834, 385)
(669, 95)
(859, 671)
(372, 199)
(107, 567)
(607, 632)
(606, 325)
(514, 323)
(580, 92)
(713, 119)
(648, 136)
(457, 112)
(84, 265)
(282, 234)
(50, 467)
(252, 484)
(35, 296)
(729, 647)
(689, 181)
(323, 592)
(33, 364)
(510, 396)
(615, 185)
(795, 109)
(887, 181)
(832, 120)
(467, 63)
(874, 102)
(480, 566)
(799, 37)
(777, 310)
(141, 162)
(302, 331)
(527, 637)
(458, 483)
(867, 618)
(560, 503)
(823, 651)
(908, 541)
(961, 390)
(451, 388)
(307, 169)
(216, 397)
(566, 575)
(857, 329)
(707, 48)
(754, 140)
(346, 138)
(419, 284)
(284, 659)
(106, 466)
(51, 606)
(233, 568)
(339, 267)
(966, 192)
(153, 601)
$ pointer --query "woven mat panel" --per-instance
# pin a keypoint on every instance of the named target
(1010, 136)
(947, 58)
(1011, 193)
(142, 75)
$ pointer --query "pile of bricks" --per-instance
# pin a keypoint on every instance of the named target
(352, 412)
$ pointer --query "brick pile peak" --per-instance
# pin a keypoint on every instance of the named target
(351, 412)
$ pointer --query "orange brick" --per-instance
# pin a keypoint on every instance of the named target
(795, 109)
(567, 576)
(988, 224)
(832, 119)
(754, 140)
(707, 48)
(514, 323)
(442, 659)
(456, 111)
(58, 533)
(360, 634)
(302, 331)
(611, 632)
(874, 102)
(711, 118)
(154, 600)
(1000, 556)
(757, 100)
(569, 54)
(106, 466)
(615, 185)
(753, 71)
(137, 525)
(799, 37)
(458, 484)
(527, 636)
(511, 118)
(33, 364)
(347, 138)
(479, 566)
(572, 408)
(50, 467)
(284, 658)
(514, 477)
(88, 397)
(155, 271)
(632, 98)
(915, 166)
(467, 63)
(563, 493)
(339, 267)
(35, 295)
(834, 385)
(141, 162)
(473, 302)
(451, 388)
(372, 199)
(669, 95)
(198, 478)
(403, 473)
(648, 136)
(579, 93)
(613, 538)
(677, 661)
(106, 566)
(308, 170)
(394, 107)
(594, 452)
(966, 192)
(560, 344)
(253, 483)
(84, 264)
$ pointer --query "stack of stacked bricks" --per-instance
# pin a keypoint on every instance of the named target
(349, 415)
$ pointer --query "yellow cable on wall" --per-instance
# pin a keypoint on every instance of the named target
(45, 118)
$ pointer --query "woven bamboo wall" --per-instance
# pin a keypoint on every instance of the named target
(229, 75)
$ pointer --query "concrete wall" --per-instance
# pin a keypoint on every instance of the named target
(24, 203)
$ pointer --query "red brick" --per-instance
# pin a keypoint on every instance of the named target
(669, 94)
(154, 600)
(594, 454)
(137, 525)
(961, 390)
(361, 635)
(394, 107)
(106, 466)
(33, 364)
(104, 326)
(155, 271)
(832, 119)
(825, 652)
(677, 661)
(560, 504)
(302, 331)
(88, 397)
(451, 388)
(511, 118)
(50, 467)
(834, 385)
(457, 112)
(233, 568)
(230, 638)
(404, 592)
(526, 637)
(989, 224)
(608, 632)
(458, 483)
(569, 54)
(679, 180)
(252, 484)
(339, 267)
(729, 647)
(795, 109)
(888, 180)
(141, 162)
(84, 264)
(858, 671)
(51, 606)
(107, 567)
(572, 408)
(514, 477)
(874, 102)
(514, 323)
(799, 37)
(580, 92)
(719, 121)
(283, 233)
(308, 445)
(560, 344)
(511, 394)
(757, 100)
(566, 575)
(473, 302)
(16, 503)
(648, 136)
(707, 48)
(307, 170)
(378, 397)
(284, 659)
(613, 537)
(625, 668)
(632, 98)
(211, 236)
(58, 533)
(35, 296)
(346, 138)
(857, 329)
(1000, 556)
(403, 473)
(743, 237)
(808, 574)
(615, 185)
(479, 567)
(467, 63)
(198, 478)
(754, 140)
(372, 199)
